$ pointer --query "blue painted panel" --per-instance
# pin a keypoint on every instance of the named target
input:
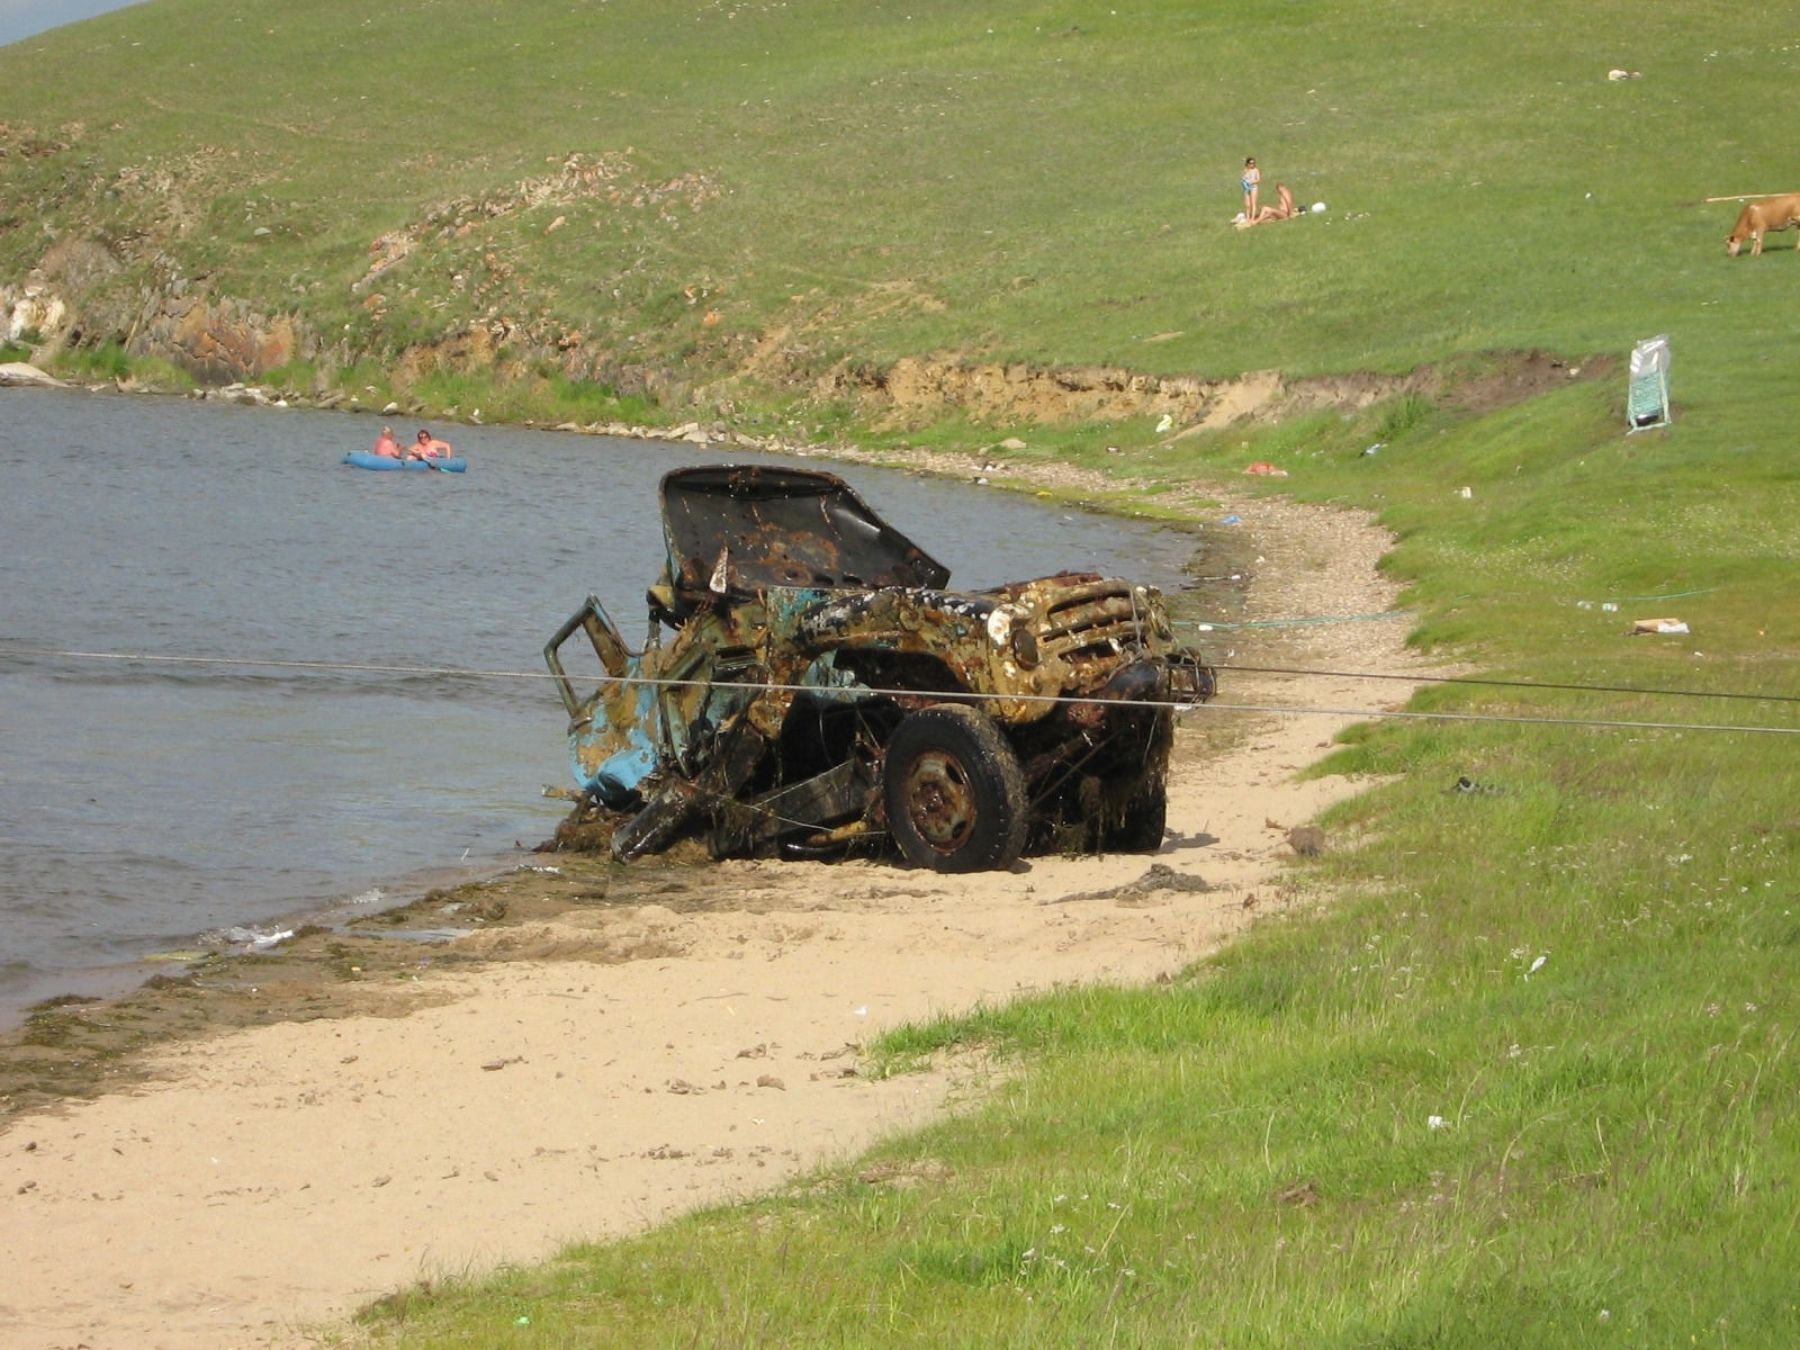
(619, 775)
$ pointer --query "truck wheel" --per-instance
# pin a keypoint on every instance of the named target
(954, 791)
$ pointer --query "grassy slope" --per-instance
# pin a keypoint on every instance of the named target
(1030, 180)
(1245, 1155)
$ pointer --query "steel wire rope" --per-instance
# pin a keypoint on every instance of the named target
(1288, 710)
(1210, 625)
(476, 673)
(1514, 684)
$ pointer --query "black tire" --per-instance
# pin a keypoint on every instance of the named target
(954, 791)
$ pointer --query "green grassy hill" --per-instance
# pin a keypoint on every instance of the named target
(870, 180)
(753, 195)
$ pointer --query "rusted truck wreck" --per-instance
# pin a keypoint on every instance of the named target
(809, 687)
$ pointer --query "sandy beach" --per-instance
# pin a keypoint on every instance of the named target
(306, 1135)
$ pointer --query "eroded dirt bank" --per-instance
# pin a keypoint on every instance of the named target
(607, 1047)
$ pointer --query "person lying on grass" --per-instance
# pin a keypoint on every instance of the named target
(1284, 209)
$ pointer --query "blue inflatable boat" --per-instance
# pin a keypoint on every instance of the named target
(365, 459)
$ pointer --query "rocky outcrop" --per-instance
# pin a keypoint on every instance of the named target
(30, 312)
(219, 341)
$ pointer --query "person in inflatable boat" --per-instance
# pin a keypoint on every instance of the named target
(429, 447)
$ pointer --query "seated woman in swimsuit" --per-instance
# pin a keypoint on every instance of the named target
(429, 447)
(1283, 210)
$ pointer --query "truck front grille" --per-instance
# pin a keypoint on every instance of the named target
(1092, 624)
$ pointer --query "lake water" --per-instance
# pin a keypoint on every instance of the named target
(144, 804)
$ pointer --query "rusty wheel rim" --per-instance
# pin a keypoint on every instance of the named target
(940, 800)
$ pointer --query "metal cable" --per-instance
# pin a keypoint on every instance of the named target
(1516, 684)
(1372, 714)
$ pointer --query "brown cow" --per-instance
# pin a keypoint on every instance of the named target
(1759, 218)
